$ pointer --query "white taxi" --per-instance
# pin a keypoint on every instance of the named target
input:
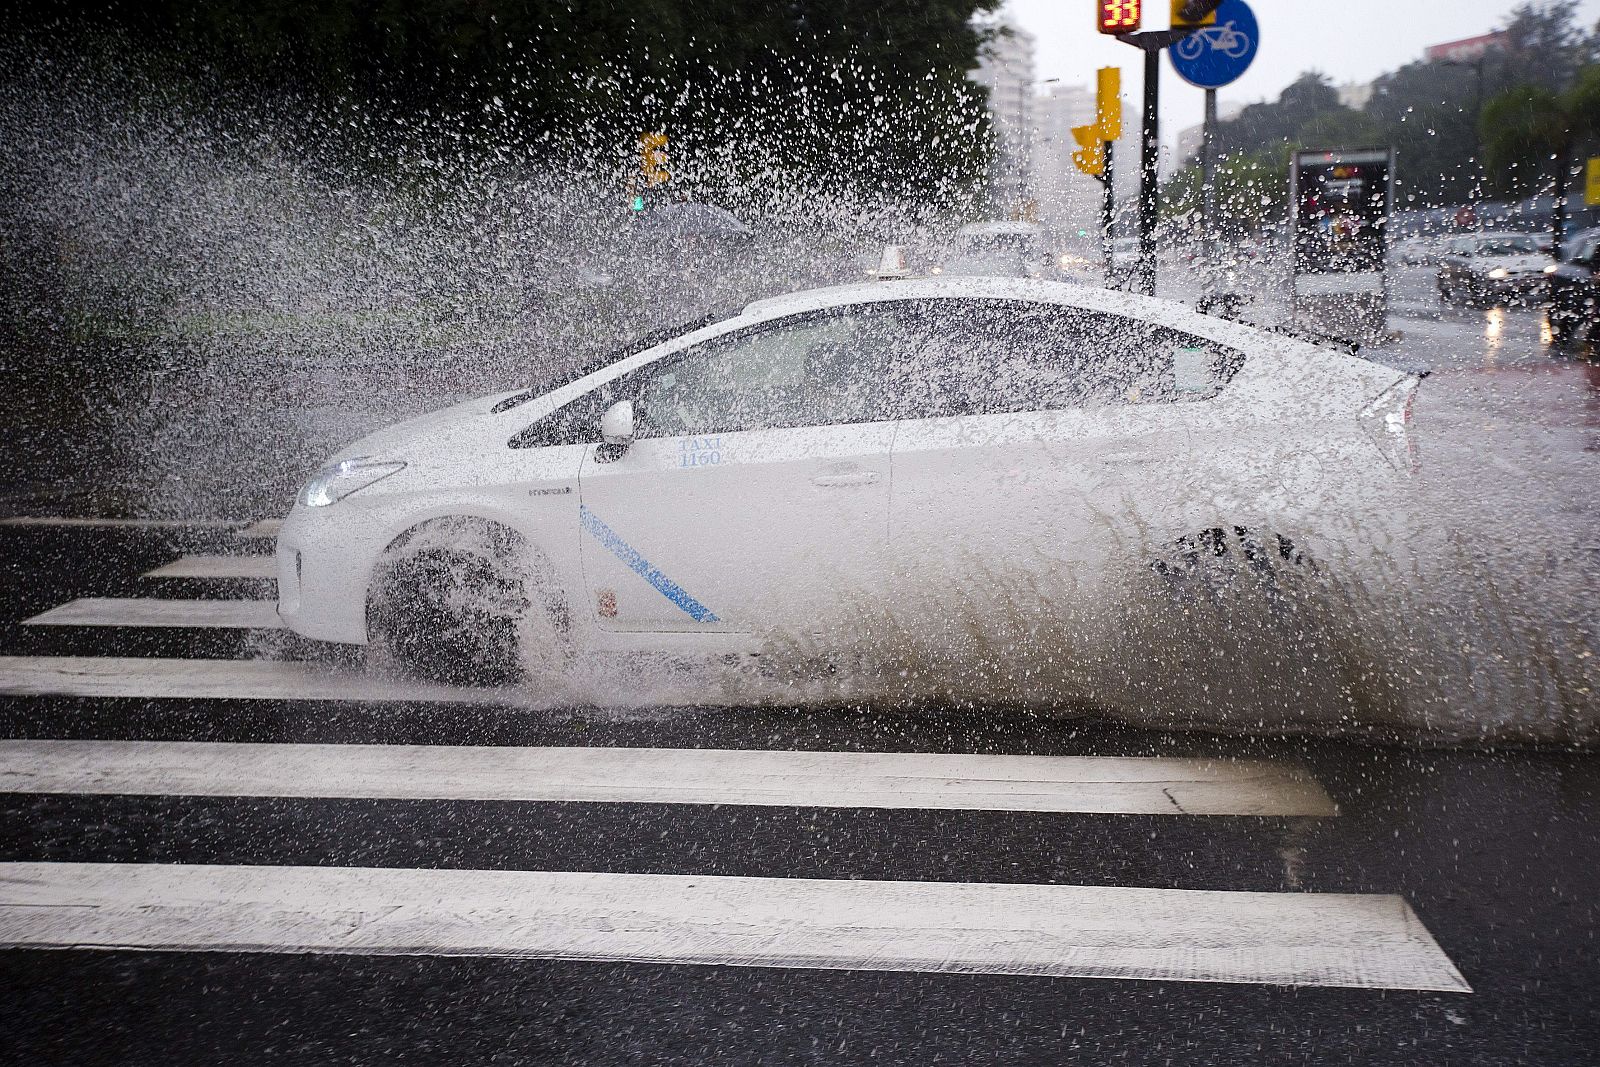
(817, 459)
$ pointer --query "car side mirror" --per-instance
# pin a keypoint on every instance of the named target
(616, 425)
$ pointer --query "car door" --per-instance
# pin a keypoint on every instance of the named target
(1063, 447)
(755, 496)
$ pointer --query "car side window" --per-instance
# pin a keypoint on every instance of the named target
(808, 370)
(995, 357)
(575, 422)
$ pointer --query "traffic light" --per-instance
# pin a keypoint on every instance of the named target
(1194, 13)
(1091, 154)
(1108, 102)
(653, 159)
(1120, 16)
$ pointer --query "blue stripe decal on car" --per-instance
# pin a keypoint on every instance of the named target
(635, 562)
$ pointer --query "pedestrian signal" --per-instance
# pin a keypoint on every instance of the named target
(1119, 16)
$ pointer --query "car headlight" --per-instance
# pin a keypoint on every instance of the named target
(1551, 269)
(336, 481)
(1499, 274)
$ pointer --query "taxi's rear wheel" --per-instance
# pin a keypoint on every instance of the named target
(461, 602)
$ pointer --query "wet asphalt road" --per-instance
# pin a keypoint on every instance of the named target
(1496, 852)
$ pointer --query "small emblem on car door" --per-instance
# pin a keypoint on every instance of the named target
(606, 603)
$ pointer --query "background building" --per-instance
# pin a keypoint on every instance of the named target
(1068, 200)
(1006, 68)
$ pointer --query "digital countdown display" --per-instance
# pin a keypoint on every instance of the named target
(1120, 16)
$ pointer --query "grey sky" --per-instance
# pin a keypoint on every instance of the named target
(1356, 41)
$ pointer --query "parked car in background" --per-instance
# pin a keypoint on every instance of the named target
(999, 250)
(1573, 289)
(1418, 251)
(1493, 266)
(1124, 258)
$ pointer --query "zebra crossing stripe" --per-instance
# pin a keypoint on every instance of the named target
(217, 567)
(209, 614)
(1098, 784)
(215, 679)
(261, 528)
(155, 524)
(1300, 939)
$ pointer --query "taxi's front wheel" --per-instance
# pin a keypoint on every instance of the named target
(460, 602)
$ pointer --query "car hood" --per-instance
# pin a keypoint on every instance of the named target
(430, 434)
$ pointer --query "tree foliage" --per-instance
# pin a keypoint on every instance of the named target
(1430, 110)
(1529, 131)
(541, 68)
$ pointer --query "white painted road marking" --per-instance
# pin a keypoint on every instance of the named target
(1106, 784)
(65, 520)
(218, 567)
(114, 611)
(135, 676)
(263, 528)
(1311, 939)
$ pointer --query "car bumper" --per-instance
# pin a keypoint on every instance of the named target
(324, 561)
(1525, 285)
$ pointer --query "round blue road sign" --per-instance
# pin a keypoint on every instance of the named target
(1215, 55)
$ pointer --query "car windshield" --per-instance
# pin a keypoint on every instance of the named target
(1506, 246)
(605, 359)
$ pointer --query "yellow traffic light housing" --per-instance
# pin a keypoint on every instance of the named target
(653, 159)
(1108, 102)
(1091, 155)
(1180, 20)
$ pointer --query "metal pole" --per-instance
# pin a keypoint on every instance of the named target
(1558, 217)
(1208, 190)
(1108, 207)
(1148, 191)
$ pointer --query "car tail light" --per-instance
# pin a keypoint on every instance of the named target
(1387, 421)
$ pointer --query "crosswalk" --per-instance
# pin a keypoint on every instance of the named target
(73, 899)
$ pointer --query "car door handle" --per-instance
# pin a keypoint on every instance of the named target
(1123, 459)
(842, 481)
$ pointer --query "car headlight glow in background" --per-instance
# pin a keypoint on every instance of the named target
(333, 483)
(1499, 274)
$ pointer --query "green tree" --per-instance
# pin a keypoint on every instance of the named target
(1545, 44)
(593, 74)
(1530, 132)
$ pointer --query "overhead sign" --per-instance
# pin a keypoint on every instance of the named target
(1215, 55)
(1591, 182)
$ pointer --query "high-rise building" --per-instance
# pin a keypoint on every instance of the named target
(1006, 67)
(1070, 201)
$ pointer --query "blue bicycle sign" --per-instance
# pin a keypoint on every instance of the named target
(1224, 37)
(1213, 56)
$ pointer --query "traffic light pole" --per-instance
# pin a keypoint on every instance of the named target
(1149, 161)
(1152, 44)
(1108, 205)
